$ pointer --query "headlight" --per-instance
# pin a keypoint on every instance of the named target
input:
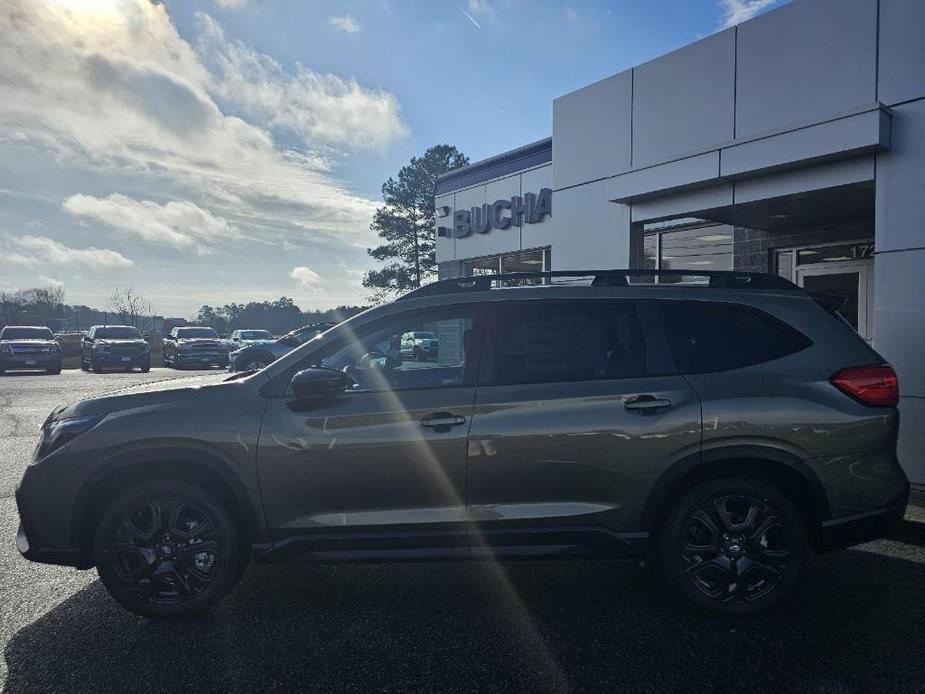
(6, 349)
(100, 348)
(58, 432)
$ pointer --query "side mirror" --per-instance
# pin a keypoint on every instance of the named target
(316, 382)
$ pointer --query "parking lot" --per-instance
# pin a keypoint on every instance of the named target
(857, 623)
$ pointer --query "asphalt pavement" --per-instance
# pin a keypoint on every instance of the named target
(856, 624)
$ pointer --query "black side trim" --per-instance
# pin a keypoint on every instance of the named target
(579, 542)
(844, 532)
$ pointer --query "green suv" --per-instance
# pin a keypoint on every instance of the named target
(717, 425)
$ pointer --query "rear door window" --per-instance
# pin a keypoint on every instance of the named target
(556, 342)
(707, 337)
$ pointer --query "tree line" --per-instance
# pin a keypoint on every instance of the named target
(46, 306)
(279, 317)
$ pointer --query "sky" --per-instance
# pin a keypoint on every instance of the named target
(217, 151)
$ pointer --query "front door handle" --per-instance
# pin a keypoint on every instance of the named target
(647, 403)
(442, 420)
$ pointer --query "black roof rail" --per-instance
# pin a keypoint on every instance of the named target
(721, 279)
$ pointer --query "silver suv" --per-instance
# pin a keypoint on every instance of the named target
(256, 356)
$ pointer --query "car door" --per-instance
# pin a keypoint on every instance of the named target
(380, 469)
(578, 412)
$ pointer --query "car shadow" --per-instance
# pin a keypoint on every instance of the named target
(857, 623)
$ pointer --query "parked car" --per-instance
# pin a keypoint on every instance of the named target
(421, 345)
(256, 356)
(245, 338)
(29, 348)
(194, 346)
(720, 431)
(114, 347)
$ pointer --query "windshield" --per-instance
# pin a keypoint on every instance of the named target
(26, 334)
(120, 332)
(256, 335)
(186, 333)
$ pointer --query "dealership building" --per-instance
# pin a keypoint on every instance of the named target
(793, 144)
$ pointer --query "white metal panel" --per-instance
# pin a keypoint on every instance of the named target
(900, 206)
(805, 61)
(685, 100)
(591, 131)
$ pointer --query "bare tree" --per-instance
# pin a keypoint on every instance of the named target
(130, 306)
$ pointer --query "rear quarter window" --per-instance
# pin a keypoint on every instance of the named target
(708, 337)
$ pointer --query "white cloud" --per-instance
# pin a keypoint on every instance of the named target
(345, 24)
(182, 224)
(38, 251)
(306, 277)
(46, 280)
(322, 109)
(118, 91)
(738, 11)
(231, 4)
(184, 143)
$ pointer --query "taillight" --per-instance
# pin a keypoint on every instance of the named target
(869, 385)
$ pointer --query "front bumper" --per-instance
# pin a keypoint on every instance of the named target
(123, 360)
(30, 544)
(839, 533)
(31, 362)
(205, 360)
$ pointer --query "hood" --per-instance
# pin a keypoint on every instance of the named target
(28, 342)
(121, 341)
(261, 341)
(148, 394)
(194, 340)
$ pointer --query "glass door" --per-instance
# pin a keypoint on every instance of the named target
(852, 280)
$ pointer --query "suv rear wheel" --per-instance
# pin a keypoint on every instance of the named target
(255, 363)
(733, 545)
(167, 549)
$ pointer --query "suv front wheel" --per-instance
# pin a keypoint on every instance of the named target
(733, 545)
(167, 549)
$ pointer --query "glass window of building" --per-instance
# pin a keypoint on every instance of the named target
(690, 248)
(537, 260)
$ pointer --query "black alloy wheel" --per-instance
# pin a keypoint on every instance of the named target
(255, 363)
(734, 546)
(168, 549)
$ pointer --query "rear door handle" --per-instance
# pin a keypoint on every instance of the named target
(647, 403)
(442, 420)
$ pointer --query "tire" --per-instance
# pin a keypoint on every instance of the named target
(142, 550)
(733, 546)
(255, 363)
(94, 367)
(146, 367)
(55, 371)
